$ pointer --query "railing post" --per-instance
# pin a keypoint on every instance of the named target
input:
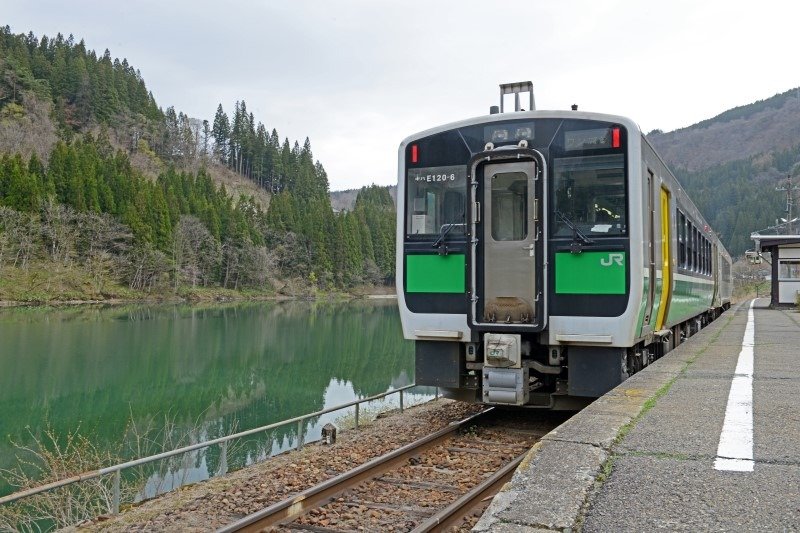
(223, 457)
(300, 434)
(117, 482)
(436, 394)
(401, 400)
(357, 410)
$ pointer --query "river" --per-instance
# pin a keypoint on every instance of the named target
(135, 379)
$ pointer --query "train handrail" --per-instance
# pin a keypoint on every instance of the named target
(117, 469)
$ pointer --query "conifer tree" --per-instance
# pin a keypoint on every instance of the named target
(221, 132)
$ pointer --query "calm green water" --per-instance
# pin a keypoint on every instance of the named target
(191, 374)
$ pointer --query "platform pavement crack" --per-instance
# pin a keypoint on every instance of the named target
(572, 441)
(607, 466)
(667, 455)
(698, 457)
(529, 525)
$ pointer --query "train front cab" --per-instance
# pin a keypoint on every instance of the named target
(543, 243)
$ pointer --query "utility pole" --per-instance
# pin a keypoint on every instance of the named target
(789, 189)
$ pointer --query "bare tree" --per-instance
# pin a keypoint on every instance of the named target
(59, 231)
(146, 268)
(259, 264)
(19, 237)
(196, 253)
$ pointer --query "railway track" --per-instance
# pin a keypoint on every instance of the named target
(441, 481)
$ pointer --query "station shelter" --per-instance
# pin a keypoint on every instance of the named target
(783, 245)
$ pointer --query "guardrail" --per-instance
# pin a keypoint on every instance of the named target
(117, 469)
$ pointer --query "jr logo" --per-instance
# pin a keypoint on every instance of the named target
(617, 258)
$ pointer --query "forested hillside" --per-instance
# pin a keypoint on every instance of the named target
(346, 200)
(739, 197)
(732, 163)
(742, 132)
(96, 178)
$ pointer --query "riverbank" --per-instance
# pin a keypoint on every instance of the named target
(221, 500)
(57, 286)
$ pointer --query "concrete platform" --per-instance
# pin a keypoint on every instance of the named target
(642, 457)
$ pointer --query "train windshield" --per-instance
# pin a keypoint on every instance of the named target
(589, 192)
(437, 200)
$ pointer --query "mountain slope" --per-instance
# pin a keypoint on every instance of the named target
(94, 176)
(739, 133)
(731, 164)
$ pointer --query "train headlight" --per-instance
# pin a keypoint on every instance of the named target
(523, 133)
(500, 135)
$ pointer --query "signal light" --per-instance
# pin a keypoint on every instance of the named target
(615, 142)
(414, 153)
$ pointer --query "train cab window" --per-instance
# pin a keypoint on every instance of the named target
(436, 201)
(590, 193)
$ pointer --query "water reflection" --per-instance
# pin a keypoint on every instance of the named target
(191, 373)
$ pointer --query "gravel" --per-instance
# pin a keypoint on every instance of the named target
(219, 501)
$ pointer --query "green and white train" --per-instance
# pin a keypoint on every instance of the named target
(545, 256)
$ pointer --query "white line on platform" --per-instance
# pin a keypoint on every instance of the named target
(735, 451)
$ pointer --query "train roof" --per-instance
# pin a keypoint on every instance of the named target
(521, 115)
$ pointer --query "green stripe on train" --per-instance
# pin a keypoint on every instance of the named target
(590, 273)
(435, 273)
(689, 298)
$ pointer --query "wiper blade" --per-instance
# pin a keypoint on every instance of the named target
(576, 233)
(444, 230)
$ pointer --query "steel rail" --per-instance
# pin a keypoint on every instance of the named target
(455, 512)
(318, 495)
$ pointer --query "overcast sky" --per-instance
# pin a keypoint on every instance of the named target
(357, 77)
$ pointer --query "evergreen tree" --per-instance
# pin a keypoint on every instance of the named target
(221, 133)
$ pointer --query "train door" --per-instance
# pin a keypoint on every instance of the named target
(650, 237)
(666, 258)
(507, 281)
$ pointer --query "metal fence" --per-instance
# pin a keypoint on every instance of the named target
(116, 470)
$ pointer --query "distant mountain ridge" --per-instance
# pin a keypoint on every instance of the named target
(346, 200)
(731, 164)
(739, 133)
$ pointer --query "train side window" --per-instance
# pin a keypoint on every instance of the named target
(702, 255)
(687, 234)
(703, 252)
(705, 256)
(681, 240)
(708, 257)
